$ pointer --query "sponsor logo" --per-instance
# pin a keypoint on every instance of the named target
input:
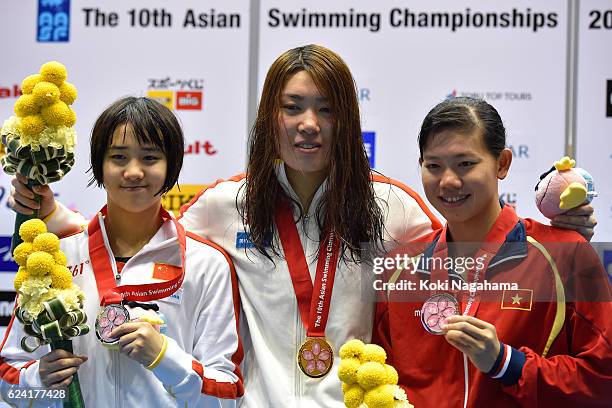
(243, 240)
(510, 96)
(7, 304)
(607, 260)
(77, 270)
(174, 199)
(191, 100)
(7, 263)
(364, 95)
(179, 94)
(520, 151)
(201, 147)
(53, 24)
(609, 99)
(509, 198)
(369, 142)
(166, 98)
(10, 91)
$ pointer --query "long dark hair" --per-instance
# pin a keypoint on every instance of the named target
(348, 205)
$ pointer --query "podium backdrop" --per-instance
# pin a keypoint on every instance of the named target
(545, 65)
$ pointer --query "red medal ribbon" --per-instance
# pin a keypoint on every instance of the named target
(475, 274)
(101, 259)
(313, 302)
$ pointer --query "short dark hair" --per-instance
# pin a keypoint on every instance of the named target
(151, 122)
(464, 114)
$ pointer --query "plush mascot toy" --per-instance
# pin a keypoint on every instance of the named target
(563, 187)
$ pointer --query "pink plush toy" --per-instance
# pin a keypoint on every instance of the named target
(563, 188)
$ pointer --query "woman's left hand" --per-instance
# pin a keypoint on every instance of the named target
(580, 219)
(139, 341)
(474, 337)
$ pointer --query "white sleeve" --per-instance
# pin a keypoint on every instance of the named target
(63, 221)
(210, 377)
(406, 216)
(194, 215)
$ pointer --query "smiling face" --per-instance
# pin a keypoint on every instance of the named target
(133, 173)
(306, 125)
(460, 177)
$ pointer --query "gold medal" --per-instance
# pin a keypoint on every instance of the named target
(315, 357)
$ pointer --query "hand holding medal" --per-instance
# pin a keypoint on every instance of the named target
(368, 382)
(474, 337)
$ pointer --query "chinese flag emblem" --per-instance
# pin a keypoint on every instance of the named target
(519, 299)
(165, 272)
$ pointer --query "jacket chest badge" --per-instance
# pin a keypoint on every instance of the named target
(519, 299)
(243, 240)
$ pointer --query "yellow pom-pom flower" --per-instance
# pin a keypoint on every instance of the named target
(46, 93)
(351, 349)
(31, 229)
(32, 124)
(71, 119)
(61, 278)
(28, 84)
(20, 276)
(392, 376)
(54, 72)
(68, 93)
(371, 375)
(26, 105)
(40, 263)
(46, 242)
(353, 396)
(347, 370)
(21, 253)
(373, 352)
(56, 114)
(60, 258)
(380, 397)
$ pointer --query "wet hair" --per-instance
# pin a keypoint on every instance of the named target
(465, 115)
(152, 123)
(348, 205)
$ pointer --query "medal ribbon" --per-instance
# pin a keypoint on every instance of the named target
(470, 306)
(313, 301)
(100, 258)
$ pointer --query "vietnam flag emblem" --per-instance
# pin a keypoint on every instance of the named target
(519, 299)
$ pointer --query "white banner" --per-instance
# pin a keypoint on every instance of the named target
(594, 107)
(190, 54)
(408, 56)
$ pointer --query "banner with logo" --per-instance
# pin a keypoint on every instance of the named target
(190, 55)
(408, 56)
(594, 107)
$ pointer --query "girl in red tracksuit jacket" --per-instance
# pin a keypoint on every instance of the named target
(530, 325)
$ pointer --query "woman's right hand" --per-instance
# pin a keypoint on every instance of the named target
(57, 368)
(22, 198)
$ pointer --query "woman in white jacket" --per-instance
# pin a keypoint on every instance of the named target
(133, 254)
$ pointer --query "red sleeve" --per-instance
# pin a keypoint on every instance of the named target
(580, 375)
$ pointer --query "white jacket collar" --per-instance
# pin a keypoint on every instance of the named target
(281, 174)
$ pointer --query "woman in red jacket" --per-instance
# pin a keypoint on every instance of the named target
(492, 310)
